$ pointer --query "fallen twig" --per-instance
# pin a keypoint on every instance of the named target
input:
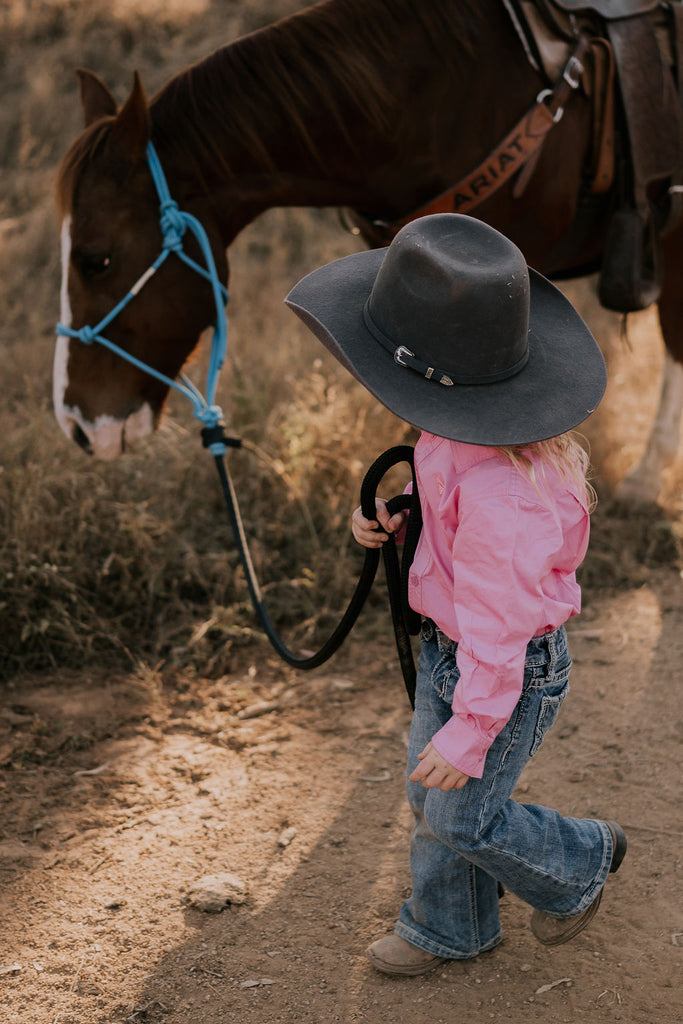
(553, 984)
(383, 777)
(146, 1007)
(610, 992)
(12, 969)
(124, 826)
(100, 862)
(92, 771)
(257, 710)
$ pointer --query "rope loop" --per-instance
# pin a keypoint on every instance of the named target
(173, 225)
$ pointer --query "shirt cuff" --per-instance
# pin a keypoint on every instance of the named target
(463, 746)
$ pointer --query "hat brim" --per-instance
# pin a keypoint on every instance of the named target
(560, 386)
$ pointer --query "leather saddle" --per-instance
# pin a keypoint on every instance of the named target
(607, 9)
(640, 99)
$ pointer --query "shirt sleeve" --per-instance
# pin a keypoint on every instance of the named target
(503, 548)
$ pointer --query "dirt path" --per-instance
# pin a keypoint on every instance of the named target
(124, 792)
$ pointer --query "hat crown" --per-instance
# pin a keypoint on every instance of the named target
(455, 294)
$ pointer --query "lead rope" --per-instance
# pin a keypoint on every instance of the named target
(405, 621)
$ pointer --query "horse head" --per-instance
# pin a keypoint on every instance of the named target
(111, 235)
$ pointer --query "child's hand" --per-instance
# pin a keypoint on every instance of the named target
(434, 772)
(367, 531)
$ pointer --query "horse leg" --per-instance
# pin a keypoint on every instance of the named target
(643, 483)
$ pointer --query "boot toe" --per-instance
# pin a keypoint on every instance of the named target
(394, 955)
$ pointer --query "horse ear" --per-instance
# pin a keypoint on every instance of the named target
(96, 99)
(131, 130)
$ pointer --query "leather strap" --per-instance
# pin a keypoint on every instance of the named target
(603, 117)
(516, 149)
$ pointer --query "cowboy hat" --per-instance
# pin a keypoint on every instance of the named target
(451, 330)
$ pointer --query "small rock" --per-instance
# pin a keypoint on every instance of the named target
(214, 893)
(287, 836)
(339, 683)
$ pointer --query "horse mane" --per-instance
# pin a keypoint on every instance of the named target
(283, 70)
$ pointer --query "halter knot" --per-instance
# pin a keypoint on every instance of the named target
(173, 225)
(210, 415)
(86, 335)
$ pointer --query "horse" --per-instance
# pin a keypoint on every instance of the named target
(369, 105)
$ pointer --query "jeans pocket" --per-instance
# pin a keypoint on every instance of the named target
(548, 712)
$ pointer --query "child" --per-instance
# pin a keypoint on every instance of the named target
(452, 332)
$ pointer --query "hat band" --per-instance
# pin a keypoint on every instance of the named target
(404, 357)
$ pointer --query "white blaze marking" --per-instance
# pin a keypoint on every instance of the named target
(106, 434)
(60, 378)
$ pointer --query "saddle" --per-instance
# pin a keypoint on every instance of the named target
(610, 10)
(637, 94)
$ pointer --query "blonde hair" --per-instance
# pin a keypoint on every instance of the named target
(568, 453)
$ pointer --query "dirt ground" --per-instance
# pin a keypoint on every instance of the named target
(120, 793)
(123, 792)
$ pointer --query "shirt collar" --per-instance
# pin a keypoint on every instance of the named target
(464, 455)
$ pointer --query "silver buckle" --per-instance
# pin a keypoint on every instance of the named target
(402, 351)
(541, 98)
(572, 73)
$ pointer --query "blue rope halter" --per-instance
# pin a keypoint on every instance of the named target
(174, 223)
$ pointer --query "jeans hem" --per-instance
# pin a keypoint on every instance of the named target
(415, 938)
(594, 890)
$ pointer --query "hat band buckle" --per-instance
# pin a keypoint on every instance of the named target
(403, 356)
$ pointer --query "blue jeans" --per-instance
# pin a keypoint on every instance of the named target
(466, 841)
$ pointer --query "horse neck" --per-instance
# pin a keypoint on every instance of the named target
(257, 124)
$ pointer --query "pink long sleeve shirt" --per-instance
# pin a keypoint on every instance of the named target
(495, 566)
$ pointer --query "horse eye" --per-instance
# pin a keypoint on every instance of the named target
(93, 265)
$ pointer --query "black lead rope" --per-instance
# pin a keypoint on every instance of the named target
(405, 621)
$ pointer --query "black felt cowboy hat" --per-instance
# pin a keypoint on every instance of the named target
(451, 330)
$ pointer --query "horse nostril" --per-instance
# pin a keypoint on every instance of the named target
(81, 438)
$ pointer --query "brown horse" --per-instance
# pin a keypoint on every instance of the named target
(375, 105)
